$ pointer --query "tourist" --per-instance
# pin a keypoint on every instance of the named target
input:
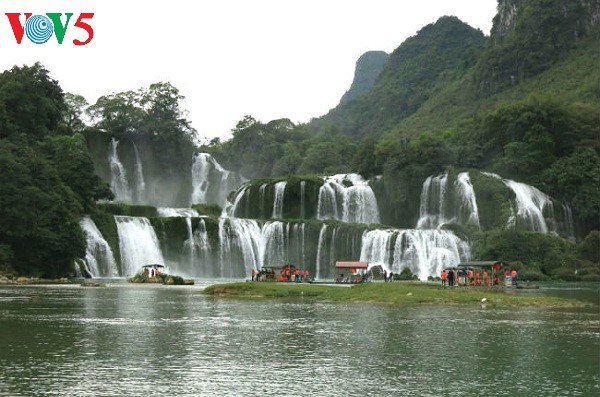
(444, 278)
(391, 277)
(513, 275)
(486, 278)
(253, 274)
(385, 276)
(451, 278)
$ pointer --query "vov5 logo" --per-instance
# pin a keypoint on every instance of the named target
(40, 28)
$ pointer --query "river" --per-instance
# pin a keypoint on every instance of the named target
(140, 340)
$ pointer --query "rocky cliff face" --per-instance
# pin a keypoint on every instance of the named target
(580, 15)
(368, 67)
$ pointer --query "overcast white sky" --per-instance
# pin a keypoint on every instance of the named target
(266, 58)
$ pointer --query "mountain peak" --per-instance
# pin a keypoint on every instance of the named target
(368, 67)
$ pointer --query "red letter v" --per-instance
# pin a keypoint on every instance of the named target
(15, 24)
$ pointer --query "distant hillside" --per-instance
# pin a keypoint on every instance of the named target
(368, 67)
(408, 78)
(450, 71)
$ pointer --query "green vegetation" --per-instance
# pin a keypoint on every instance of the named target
(128, 209)
(49, 181)
(522, 103)
(208, 209)
(398, 293)
(166, 279)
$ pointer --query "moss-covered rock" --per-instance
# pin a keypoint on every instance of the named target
(123, 209)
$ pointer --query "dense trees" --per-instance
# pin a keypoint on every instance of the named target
(47, 178)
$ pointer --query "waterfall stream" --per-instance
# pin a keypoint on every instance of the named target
(138, 244)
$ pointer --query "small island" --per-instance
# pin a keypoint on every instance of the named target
(409, 293)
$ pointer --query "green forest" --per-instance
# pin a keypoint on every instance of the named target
(523, 103)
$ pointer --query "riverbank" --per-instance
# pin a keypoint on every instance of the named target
(20, 280)
(397, 293)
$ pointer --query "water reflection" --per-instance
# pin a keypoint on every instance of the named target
(155, 340)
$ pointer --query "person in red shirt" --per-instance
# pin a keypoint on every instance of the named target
(513, 276)
(444, 278)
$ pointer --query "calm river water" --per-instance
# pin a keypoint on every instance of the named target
(134, 340)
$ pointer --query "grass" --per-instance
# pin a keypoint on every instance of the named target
(397, 293)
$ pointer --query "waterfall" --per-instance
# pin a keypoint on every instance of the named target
(211, 183)
(224, 245)
(168, 212)
(531, 204)
(534, 209)
(99, 258)
(261, 195)
(249, 241)
(278, 200)
(275, 243)
(376, 248)
(433, 202)
(118, 179)
(302, 199)
(233, 210)
(138, 244)
(424, 252)
(320, 250)
(468, 211)
(140, 185)
(200, 174)
(327, 204)
(353, 194)
(444, 202)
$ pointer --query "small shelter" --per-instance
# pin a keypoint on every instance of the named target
(346, 272)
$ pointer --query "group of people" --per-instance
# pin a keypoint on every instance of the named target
(471, 277)
(152, 272)
(388, 277)
(287, 274)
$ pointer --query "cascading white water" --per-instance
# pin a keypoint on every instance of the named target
(236, 203)
(206, 172)
(424, 252)
(531, 204)
(200, 174)
(436, 195)
(468, 211)
(534, 209)
(168, 212)
(138, 244)
(432, 205)
(140, 184)
(327, 204)
(224, 245)
(320, 249)
(302, 199)
(358, 202)
(278, 200)
(376, 247)
(275, 243)
(99, 258)
(118, 178)
(250, 242)
(261, 195)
